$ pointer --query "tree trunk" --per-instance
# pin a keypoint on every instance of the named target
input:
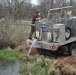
(51, 4)
(71, 3)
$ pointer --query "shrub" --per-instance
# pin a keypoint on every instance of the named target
(10, 55)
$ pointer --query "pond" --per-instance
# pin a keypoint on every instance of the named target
(9, 69)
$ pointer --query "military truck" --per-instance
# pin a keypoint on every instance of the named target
(57, 32)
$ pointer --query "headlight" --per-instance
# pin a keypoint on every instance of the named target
(37, 34)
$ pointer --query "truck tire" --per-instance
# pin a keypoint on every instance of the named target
(72, 50)
(64, 49)
(67, 33)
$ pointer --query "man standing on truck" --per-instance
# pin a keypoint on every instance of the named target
(35, 18)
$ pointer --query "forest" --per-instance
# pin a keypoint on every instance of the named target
(23, 9)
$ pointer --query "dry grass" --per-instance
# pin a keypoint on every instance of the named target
(66, 65)
(24, 48)
(13, 33)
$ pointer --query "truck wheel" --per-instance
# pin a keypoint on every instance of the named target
(72, 50)
(67, 33)
(64, 49)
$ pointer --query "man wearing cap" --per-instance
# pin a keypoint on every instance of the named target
(35, 18)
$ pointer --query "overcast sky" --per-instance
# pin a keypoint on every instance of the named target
(35, 2)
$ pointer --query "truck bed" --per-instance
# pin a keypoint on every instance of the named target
(72, 39)
(51, 45)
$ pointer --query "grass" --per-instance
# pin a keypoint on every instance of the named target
(10, 55)
(18, 32)
(13, 32)
(39, 65)
(23, 67)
